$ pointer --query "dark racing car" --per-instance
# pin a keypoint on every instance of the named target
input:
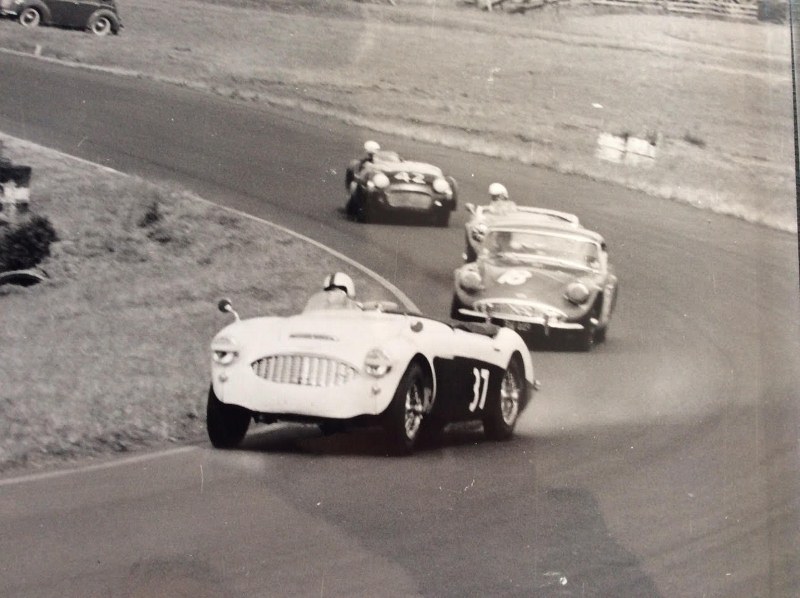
(383, 185)
(540, 277)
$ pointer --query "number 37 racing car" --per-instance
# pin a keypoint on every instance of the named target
(365, 364)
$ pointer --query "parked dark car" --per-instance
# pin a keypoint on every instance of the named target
(96, 16)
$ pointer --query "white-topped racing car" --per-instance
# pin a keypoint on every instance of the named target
(343, 362)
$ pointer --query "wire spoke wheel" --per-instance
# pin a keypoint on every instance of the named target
(415, 409)
(412, 402)
(509, 397)
(508, 402)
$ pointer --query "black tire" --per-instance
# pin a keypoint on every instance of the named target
(352, 206)
(226, 424)
(30, 17)
(331, 427)
(101, 23)
(503, 410)
(403, 419)
(455, 305)
(349, 175)
(442, 218)
(454, 187)
(587, 338)
(470, 255)
(432, 431)
(600, 334)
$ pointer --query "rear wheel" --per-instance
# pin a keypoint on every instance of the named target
(226, 424)
(502, 413)
(411, 402)
(100, 24)
(30, 17)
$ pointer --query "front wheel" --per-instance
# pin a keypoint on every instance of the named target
(100, 24)
(455, 305)
(226, 424)
(588, 338)
(442, 218)
(502, 413)
(410, 404)
(30, 17)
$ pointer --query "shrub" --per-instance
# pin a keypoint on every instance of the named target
(26, 244)
(152, 215)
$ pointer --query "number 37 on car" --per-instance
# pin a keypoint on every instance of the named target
(370, 364)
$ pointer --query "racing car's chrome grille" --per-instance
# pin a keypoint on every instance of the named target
(501, 307)
(408, 199)
(305, 370)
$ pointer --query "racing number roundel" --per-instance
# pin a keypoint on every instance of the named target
(514, 277)
(410, 178)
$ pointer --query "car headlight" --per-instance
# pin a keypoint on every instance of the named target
(224, 351)
(577, 293)
(380, 181)
(470, 281)
(442, 187)
(479, 232)
(377, 363)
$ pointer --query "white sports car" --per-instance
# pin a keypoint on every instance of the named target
(367, 364)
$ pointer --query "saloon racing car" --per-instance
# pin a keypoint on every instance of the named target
(362, 365)
(384, 185)
(483, 217)
(552, 276)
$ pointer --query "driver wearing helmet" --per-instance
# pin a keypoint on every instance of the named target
(338, 292)
(499, 201)
(370, 149)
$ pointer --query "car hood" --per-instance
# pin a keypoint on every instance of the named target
(540, 282)
(345, 334)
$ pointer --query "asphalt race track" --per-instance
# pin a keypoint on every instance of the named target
(663, 464)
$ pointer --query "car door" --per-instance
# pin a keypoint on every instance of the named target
(468, 377)
(72, 13)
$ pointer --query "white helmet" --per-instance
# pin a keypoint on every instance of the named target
(372, 147)
(498, 191)
(340, 280)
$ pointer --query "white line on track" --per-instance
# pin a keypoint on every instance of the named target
(402, 297)
(48, 475)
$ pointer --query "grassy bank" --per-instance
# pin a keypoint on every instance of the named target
(111, 354)
(538, 88)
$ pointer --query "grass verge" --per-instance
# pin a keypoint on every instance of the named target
(111, 353)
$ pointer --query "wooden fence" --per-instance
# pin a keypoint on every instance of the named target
(721, 8)
(741, 9)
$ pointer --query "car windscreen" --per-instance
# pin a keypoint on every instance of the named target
(543, 246)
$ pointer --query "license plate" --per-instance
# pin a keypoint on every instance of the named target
(519, 326)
